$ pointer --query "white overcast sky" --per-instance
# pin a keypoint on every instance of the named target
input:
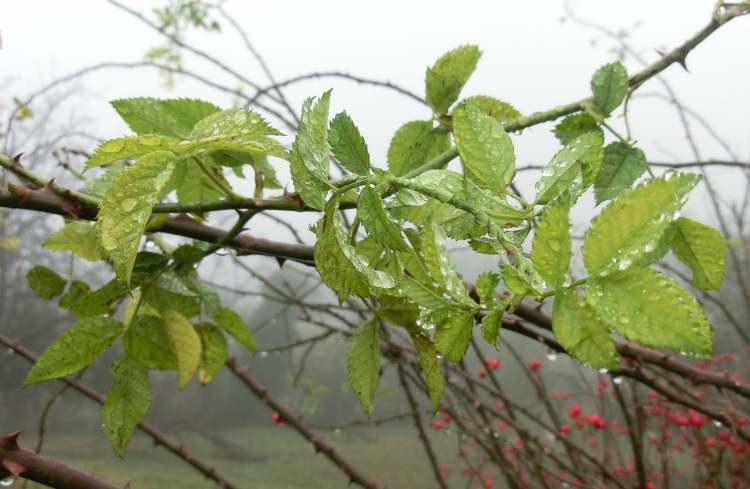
(530, 59)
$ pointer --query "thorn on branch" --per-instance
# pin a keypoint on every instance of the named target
(17, 159)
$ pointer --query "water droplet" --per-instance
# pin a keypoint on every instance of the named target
(10, 351)
(603, 371)
(7, 482)
(718, 424)
(263, 354)
(624, 320)
(551, 355)
(112, 146)
(624, 264)
(617, 380)
(337, 431)
(128, 204)
(649, 247)
(151, 141)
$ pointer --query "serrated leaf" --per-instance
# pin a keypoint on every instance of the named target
(147, 340)
(432, 368)
(561, 173)
(78, 237)
(703, 250)
(495, 108)
(486, 285)
(581, 333)
(422, 294)
(348, 145)
(45, 283)
(445, 79)
(127, 401)
(338, 263)
(453, 333)
(486, 150)
(129, 148)
(413, 144)
(97, 302)
(186, 345)
(574, 126)
(632, 225)
(75, 349)
(213, 352)
(126, 208)
(311, 142)
(609, 86)
(239, 125)
(377, 221)
(646, 306)
(101, 185)
(515, 280)
(440, 266)
(491, 324)
(552, 247)
(621, 166)
(363, 363)
(232, 323)
(194, 186)
(171, 117)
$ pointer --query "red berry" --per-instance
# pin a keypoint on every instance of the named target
(493, 363)
(574, 410)
(650, 485)
(276, 418)
(534, 365)
(437, 424)
(564, 429)
(447, 417)
(482, 373)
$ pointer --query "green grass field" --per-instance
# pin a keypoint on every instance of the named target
(279, 459)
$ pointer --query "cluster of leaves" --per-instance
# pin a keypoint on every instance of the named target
(394, 256)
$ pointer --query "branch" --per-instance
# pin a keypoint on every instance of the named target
(20, 462)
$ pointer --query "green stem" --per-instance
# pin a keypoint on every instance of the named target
(575, 284)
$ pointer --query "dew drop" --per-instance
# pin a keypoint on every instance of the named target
(551, 355)
(718, 424)
(603, 371)
(624, 320)
(7, 482)
(617, 380)
(112, 146)
(10, 351)
(128, 204)
(151, 141)
(263, 354)
(337, 432)
(649, 247)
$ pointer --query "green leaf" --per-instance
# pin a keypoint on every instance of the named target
(486, 150)
(703, 249)
(552, 247)
(609, 86)
(646, 306)
(561, 173)
(432, 368)
(75, 349)
(172, 117)
(486, 285)
(453, 333)
(516, 281)
(99, 186)
(126, 208)
(147, 340)
(423, 295)
(127, 401)
(194, 186)
(495, 108)
(129, 148)
(377, 221)
(45, 283)
(348, 145)
(100, 301)
(622, 165)
(213, 352)
(581, 333)
(440, 266)
(240, 125)
(574, 126)
(78, 237)
(413, 144)
(632, 225)
(310, 153)
(363, 363)
(311, 142)
(186, 345)
(339, 264)
(445, 79)
(491, 324)
(232, 323)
